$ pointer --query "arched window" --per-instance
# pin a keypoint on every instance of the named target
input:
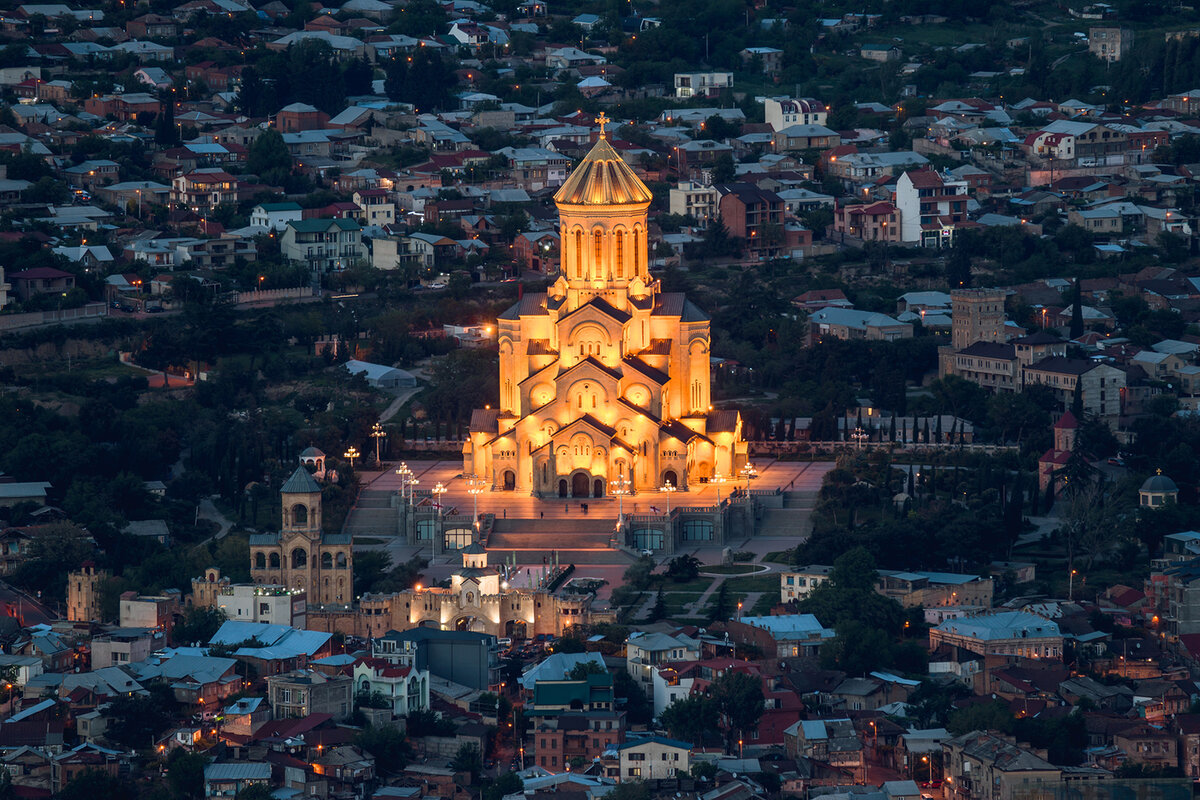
(274, 560)
(341, 561)
(598, 253)
(326, 560)
(578, 254)
(260, 561)
(299, 514)
(299, 558)
(637, 251)
(619, 266)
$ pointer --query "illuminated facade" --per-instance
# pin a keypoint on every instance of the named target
(605, 377)
(300, 555)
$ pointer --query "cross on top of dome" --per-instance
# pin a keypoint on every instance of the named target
(602, 120)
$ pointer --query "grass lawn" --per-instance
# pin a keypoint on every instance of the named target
(676, 602)
(778, 557)
(754, 583)
(694, 585)
(730, 569)
(762, 606)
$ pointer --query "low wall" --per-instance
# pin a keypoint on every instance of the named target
(65, 316)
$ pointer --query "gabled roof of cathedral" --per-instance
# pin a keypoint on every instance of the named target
(549, 369)
(677, 430)
(722, 421)
(603, 179)
(588, 419)
(264, 538)
(676, 304)
(656, 375)
(301, 482)
(592, 360)
(530, 305)
(604, 307)
(485, 420)
(636, 408)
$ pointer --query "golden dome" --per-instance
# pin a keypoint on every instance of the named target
(602, 178)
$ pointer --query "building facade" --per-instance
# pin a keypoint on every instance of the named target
(605, 377)
(300, 555)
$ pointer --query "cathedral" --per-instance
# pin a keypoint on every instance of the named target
(604, 379)
(300, 556)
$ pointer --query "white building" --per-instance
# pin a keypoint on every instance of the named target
(798, 584)
(932, 205)
(702, 84)
(396, 678)
(783, 112)
(653, 757)
(694, 200)
(644, 652)
(253, 602)
(275, 216)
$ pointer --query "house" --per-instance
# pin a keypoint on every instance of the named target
(297, 117)
(804, 137)
(753, 214)
(1020, 633)
(1102, 386)
(783, 112)
(323, 245)
(1109, 44)
(204, 189)
(981, 766)
(880, 52)
(653, 757)
(230, 779)
(932, 207)
(770, 59)
(644, 652)
(375, 207)
(870, 222)
(702, 84)
(849, 323)
(779, 636)
(830, 741)
(275, 216)
(303, 692)
(41, 280)
(406, 688)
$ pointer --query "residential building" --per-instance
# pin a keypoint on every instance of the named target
(783, 112)
(702, 84)
(644, 652)
(798, 584)
(850, 323)
(695, 200)
(871, 222)
(274, 604)
(230, 779)
(1019, 633)
(376, 207)
(1102, 386)
(275, 216)
(1109, 44)
(464, 657)
(402, 684)
(770, 58)
(303, 692)
(780, 636)
(300, 117)
(323, 245)
(653, 757)
(932, 206)
(150, 611)
(41, 280)
(123, 646)
(755, 215)
(830, 741)
(204, 189)
(804, 137)
(981, 766)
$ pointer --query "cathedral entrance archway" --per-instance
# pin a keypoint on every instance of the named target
(514, 629)
(510, 480)
(579, 484)
(670, 477)
(562, 487)
(598, 488)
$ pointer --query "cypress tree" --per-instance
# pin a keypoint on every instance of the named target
(892, 428)
(1077, 312)
(1077, 400)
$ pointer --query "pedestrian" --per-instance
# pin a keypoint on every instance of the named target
(506, 513)
(543, 515)
(566, 508)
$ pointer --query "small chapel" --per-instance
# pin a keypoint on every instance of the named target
(300, 555)
(605, 378)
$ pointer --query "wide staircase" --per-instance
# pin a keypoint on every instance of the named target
(373, 515)
(794, 520)
(577, 541)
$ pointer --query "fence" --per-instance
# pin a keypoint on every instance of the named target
(63, 316)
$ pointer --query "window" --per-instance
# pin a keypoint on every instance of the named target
(597, 252)
(578, 254)
(619, 267)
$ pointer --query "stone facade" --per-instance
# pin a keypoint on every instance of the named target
(300, 556)
(83, 593)
(605, 377)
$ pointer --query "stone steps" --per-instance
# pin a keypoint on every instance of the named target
(373, 515)
(577, 541)
(791, 523)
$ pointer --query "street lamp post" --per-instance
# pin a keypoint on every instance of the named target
(1071, 585)
(667, 488)
(859, 436)
(718, 480)
(475, 485)
(438, 491)
(620, 487)
(749, 473)
(351, 454)
(378, 434)
(407, 481)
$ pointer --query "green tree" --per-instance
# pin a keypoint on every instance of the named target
(57, 549)
(659, 609)
(468, 759)
(185, 773)
(638, 574)
(199, 624)
(269, 159)
(505, 784)
(689, 718)
(724, 170)
(1077, 312)
(721, 607)
(629, 790)
(94, 784)
(137, 720)
(738, 698)
(388, 745)
(684, 568)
